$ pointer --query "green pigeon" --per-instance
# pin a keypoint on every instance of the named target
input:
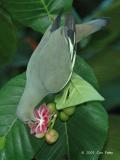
(51, 64)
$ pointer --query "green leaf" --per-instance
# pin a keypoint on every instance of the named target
(103, 63)
(85, 131)
(36, 14)
(2, 142)
(7, 38)
(112, 147)
(85, 71)
(77, 91)
(20, 145)
(111, 93)
(106, 37)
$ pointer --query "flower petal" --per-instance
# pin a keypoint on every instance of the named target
(42, 118)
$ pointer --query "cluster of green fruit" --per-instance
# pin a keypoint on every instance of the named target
(52, 135)
(63, 114)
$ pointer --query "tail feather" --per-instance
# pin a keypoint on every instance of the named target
(85, 29)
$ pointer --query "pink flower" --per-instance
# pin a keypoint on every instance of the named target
(42, 118)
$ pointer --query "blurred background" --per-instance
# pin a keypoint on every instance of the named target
(101, 51)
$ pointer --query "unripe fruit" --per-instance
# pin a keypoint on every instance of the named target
(51, 136)
(39, 135)
(63, 116)
(52, 107)
(69, 111)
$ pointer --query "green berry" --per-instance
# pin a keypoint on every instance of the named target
(63, 116)
(52, 107)
(39, 135)
(51, 136)
(69, 111)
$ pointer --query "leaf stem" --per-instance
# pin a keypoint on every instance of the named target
(68, 149)
(53, 121)
(13, 122)
(46, 9)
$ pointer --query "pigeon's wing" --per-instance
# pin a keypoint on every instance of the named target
(33, 65)
(85, 29)
(58, 57)
(70, 34)
(55, 62)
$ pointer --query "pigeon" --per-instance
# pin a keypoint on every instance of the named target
(51, 64)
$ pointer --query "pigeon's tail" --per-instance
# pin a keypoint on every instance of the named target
(98, 24)
(85, 29)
